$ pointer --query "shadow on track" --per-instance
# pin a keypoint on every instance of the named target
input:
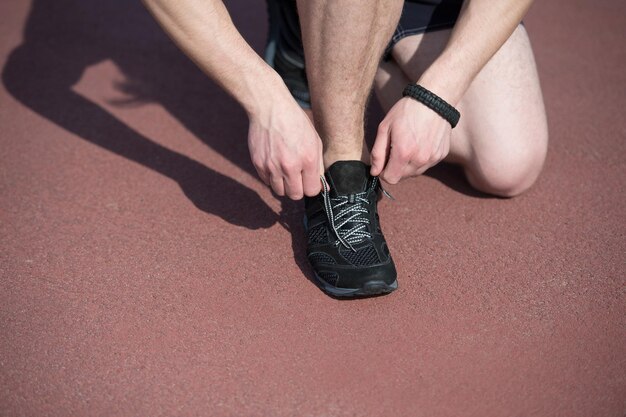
(63, 38)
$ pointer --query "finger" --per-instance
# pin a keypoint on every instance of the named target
(421, 162)
(322, 172)
(395, 168)
(262, 174)
(293, 185)
(311, 184)
(380, 150)
(277, 184)
(439, 154)
(413, 170)
(446, 149)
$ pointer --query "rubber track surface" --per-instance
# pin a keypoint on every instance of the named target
(145, 271)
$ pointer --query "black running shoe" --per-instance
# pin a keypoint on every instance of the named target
(346, 246)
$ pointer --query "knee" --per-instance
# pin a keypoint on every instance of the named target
(510, 170)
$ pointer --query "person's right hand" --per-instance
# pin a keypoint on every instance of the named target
(286, 149)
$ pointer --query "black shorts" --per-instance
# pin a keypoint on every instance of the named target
(284, 51)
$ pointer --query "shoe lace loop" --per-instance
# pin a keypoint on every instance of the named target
(347, 215)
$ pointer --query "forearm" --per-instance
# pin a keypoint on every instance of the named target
(481, 29)
(204, 31)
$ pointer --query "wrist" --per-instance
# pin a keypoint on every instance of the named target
(445, 80)
(261, 92)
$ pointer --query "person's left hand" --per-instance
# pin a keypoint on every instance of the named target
(410, 139)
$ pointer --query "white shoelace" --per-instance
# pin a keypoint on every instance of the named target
(351, 209)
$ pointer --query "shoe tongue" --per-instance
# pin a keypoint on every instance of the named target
(348, 177)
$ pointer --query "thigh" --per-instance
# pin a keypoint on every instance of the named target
(503, 129)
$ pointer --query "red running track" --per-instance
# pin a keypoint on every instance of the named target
(145, 271)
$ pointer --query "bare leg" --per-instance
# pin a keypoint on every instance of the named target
(343, 43)
(502, 137)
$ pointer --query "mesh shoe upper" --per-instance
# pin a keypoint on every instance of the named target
(346, 246)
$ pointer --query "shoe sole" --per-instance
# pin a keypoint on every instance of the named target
(370, 288)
